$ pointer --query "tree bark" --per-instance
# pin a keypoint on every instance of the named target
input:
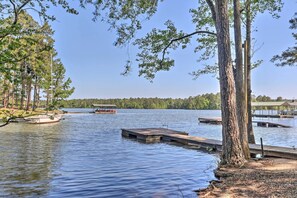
(23, 88)
(251, 136)
(13, 92)
(35, 95)
(5, 94)
(239, 82)
(29, 89)
(232, 153)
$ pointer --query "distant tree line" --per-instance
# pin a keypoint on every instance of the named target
(204, 101)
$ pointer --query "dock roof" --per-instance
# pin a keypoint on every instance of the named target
(293, 104)
(103, 105)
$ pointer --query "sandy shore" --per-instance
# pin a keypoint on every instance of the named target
(269, 177)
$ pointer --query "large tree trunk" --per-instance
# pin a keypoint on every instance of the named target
(239, 82)
(35, 95)
(38, 97)
(251, 137)
(23, 88)
(29, 89)
(5, 94)
(232, 153)
(13, 92)
(47, 98)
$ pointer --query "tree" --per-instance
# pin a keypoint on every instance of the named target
(289, 56)
(153, 56)
(31, 46)
(61, 88)
(11, 12)
(241, 100)
(19, 35)
(251, 9)
(250, 131)
(232, 152)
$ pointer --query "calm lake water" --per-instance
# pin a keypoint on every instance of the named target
(85, 156)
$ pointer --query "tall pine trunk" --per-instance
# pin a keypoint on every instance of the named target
(36, 94)
(251, 136)
(23, 87)
(232, 153)
(5, 94)
(239, 82)
(12, 92)
(29, 89)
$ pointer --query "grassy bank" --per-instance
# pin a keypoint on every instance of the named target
(6, 113)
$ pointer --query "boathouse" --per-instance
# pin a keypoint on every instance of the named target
(278, 109)
(105, 108)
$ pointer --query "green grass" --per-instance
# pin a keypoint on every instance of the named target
(6, 113)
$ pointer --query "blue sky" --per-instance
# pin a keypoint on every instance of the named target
(94, 64)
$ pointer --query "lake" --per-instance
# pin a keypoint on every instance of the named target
(85, 155)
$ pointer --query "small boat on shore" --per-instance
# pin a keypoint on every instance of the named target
(43, 119)
(104, 109)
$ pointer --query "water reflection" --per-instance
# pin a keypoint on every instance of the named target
(27, 159)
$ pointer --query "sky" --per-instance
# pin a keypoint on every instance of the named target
(95, 65)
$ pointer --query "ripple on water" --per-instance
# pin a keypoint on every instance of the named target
(85, 156)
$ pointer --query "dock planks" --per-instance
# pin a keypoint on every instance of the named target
(218, 121)
(149, 134)
(271, 124)
(152, 135)
(272, 116)
(210, 120)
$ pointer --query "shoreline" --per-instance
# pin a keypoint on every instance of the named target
(267, 177)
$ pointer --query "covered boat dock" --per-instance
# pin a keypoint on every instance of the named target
(277, 109)
(105, 108)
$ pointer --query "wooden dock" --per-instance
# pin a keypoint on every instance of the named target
(218, 121)
(152, 135)
(271, 124)
(210, 120)
(272, 116)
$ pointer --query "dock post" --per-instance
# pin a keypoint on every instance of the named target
(262, 149)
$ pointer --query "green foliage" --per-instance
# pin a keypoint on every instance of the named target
(208, 69)
(61, 88)
(263, 98)
(126, 18)
(274, 7)
(13, 8)
(151, 59)
(206, 43)
(205, 101)
(25, 62)
(289, 56)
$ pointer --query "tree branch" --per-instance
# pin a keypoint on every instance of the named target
(183, 37)
(16, 60)
(16, 12)
(6, 123)
(212, 9)
(247, 3)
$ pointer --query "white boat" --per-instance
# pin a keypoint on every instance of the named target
(43, 119)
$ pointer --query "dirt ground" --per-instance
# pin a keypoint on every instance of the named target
(269, 177)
